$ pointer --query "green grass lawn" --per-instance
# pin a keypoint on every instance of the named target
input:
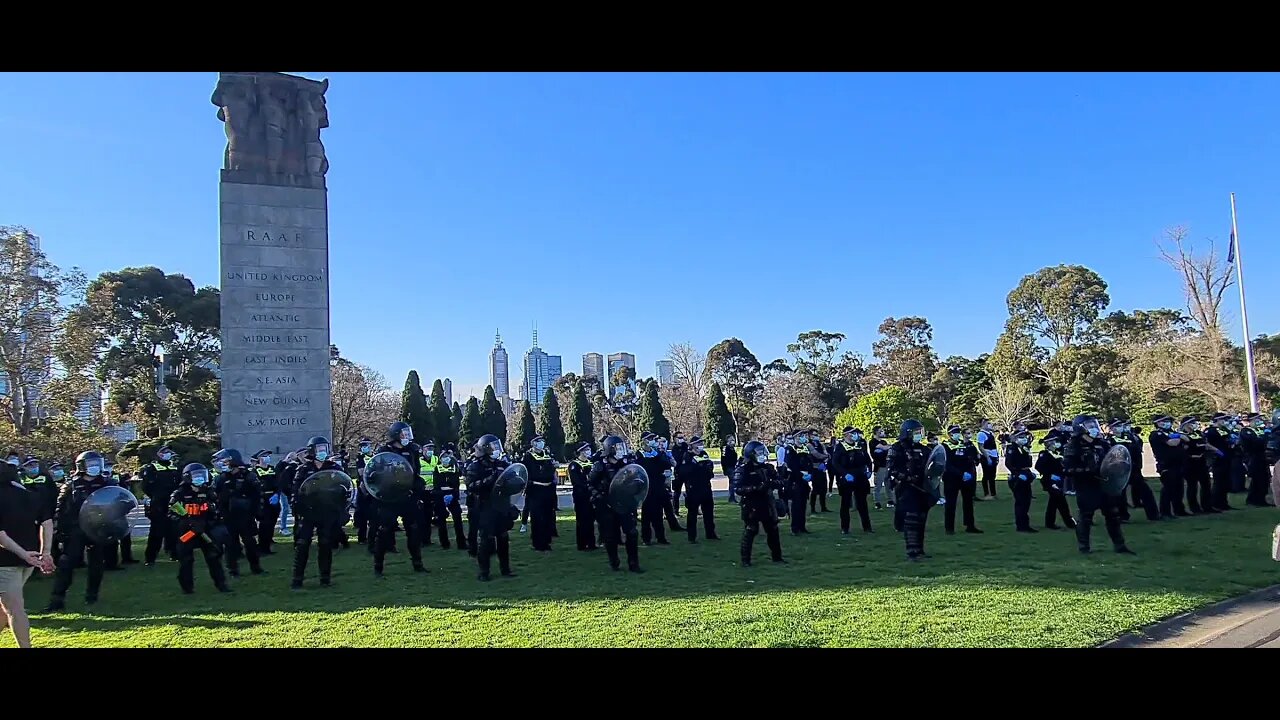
(999, 589)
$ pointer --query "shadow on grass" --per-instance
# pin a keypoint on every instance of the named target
(93, 622)
(1201, 558)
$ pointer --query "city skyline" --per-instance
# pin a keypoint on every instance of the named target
(541, 370)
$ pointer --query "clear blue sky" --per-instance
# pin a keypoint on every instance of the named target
(624, 212)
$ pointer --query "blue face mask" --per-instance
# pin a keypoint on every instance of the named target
(32, 471)
(322, 455)
(1093, 432)
(266, 459)
(918, 437)
(58, 474)
(92, 469)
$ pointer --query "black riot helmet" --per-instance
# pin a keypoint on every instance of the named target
(90, 463)
(908, 429)
(318, 448)
(753, 451)
(612, 444)
(488, 446)
(195, 475)
(231, 457)
(1085, 425)
(400, 432)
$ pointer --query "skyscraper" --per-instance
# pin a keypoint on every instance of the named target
(617, 360)
(448, 392)
(666, 371)
(540, 372)
(498, 369)
(593, 366)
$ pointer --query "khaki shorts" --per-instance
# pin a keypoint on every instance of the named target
(13, 578)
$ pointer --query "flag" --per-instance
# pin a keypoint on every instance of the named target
(1231, 249)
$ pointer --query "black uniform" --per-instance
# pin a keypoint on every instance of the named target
(613, 524)
(755, 486)
(540, 496)
(66, 522)
(678, 451)
(447, 483)
(195, 514)
(987, 442)
(1017, 459)
(1170, 464)
(307, 528)
(44, 489)
(363, 501)
(1049, 465)
(239, 494)
(490, 519)
(584, 512)
(1199, 492)
(1143, 497)
(409, 512)
(657, 465)
(159, 480)
(1219, 452)
(819, 486)
(959, 484)
(799, 464)
(1082, 461)
(851, 468)
(697, 471)
(728, 462)
(268, 511)
(907, 460)
(1253, 445)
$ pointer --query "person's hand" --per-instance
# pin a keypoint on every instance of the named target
(46, 564)
(32, 557)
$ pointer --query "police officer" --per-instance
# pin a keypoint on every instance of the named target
(667, 489)
(1273, 445)
(990, 457)
(660, 469)
(728, 461)
(1253, 444)
(880, 466)
(1049, 465)
(851, 468)
(239, 495)
(75, 544)
(160, 478)
(540, 494)
(400, 441)
(269, 508)
(697, 470)
(1122, 433)
(820, 485)
(363, 500)
(800, 464)
(959, 482)
(755, 481)
(1171, 456)
(1199, 492)
(307, 526)
(614, 455)
(1218, 450)
(41, 484)
(1017, 460)
(907, 458)
(493, 520)
(427, 464)
(1082, 457)
(584, 512)
(195, 512)
(116, 553)
(447, 488)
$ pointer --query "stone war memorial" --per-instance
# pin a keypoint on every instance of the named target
(274, 261)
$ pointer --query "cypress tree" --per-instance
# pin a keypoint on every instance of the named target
(493, 420)
(522, 430)
(456, 421)
(470, 429)
(441, 416)
(414, 410)
(650, 417)
(718, 423)
(549, 425)
(581, 427)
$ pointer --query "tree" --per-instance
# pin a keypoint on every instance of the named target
(1059, 303)
(1008, 401)
(363, 403)
(580, 427)
(776, 366)
(441, 416)
(905, 356)
(1080, 401)
(414, 410)
(521, 430)
(887, 407)
(719, 421)
(471, 428)
(690, 372)
(737, 371)
(650, 417)
(549, 425)
(493, 419)
(955, 389)
(1205, 278)
(790, 401)
(128, 319)
(455, 422)
(814, 353)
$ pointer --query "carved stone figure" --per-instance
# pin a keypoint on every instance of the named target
(273, 123)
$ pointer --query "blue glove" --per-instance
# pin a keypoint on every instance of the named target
(1022, 477)
(806, 476)
(1174, 436)
(848, 477)
(448, 499)
(1055, 478)
(822, 466)
(867, 475)
(968, 477)
(275, 500)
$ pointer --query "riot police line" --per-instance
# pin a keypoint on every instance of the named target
(401, 486)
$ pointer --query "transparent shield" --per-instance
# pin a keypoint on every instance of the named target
(104, 516)
(389, 477)
(324, 495)
(629, 488)
(511, 482)
(1115, 469)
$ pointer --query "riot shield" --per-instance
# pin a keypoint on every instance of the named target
(628, 489)
(934, 468)
(389, 477)
(510, 483)
(324, 495)
(104, 516)
(1115, 469)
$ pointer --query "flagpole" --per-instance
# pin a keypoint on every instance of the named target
(1244, 314)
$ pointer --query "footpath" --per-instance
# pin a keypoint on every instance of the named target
(1248, 621)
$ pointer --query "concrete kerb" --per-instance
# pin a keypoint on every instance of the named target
(1202, 626)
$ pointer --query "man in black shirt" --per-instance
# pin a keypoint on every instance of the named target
(26, 538)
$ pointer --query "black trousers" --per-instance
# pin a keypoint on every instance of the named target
(74, 546)
(1259, 482)
(386, 514)
(799, 504)
(957, 489)
(473, 529)
(988, 477)
(119, 552)
(1199, 490)
(186, 562)
(651, 521)
(360, 517)
(1057, 506)
(1143, 496)
(441, 514)
(1221, 482)
(160, 534)
(267, 519)
(1171, 493)
(676, 486)
(492, 534)
(1090, 499)
(614, 527)
(700, 500)
(1021, 490)
(819, 494)
(540, 502)
(585, 520)
(304, 531)
(856, 492)
(912, 512)
(242, 540)
(756, 512)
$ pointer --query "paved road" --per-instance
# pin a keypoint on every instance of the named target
(1249, 621)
